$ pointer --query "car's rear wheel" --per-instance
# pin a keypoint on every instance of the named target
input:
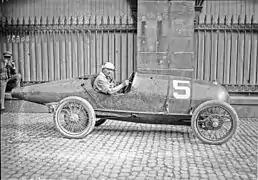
(100, 122)
(74, 117)
(214, 122)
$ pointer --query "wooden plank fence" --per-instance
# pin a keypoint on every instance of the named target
(45, 51)
(226, 48)
(68, 8)
(230, 7)
(227, 51)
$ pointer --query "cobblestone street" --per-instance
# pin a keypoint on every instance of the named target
(31, 148)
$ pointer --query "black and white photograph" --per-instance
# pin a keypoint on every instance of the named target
(129, 89)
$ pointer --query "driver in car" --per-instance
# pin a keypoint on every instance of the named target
(104, 83)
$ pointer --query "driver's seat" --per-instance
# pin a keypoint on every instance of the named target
(92, 79)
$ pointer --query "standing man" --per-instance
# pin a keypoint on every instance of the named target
(7, 73)
(104, 82)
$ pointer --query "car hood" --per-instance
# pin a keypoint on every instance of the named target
(205, 90)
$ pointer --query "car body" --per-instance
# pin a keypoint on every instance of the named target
(148, 94)
(149, 98)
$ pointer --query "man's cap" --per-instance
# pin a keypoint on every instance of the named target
(7, 54)
(108, 65)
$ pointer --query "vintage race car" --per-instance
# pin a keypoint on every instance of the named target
(161, 91)
(149, 98)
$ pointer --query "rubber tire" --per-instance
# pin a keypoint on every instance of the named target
(90, 111)
(211, 103)
(100, 122)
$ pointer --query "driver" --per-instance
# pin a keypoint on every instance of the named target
(104, 82)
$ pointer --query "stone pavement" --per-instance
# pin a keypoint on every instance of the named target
(31, 148)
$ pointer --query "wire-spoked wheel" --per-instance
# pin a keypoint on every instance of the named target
(74, 117)
(214, 122)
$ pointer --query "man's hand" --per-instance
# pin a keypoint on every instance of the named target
(126, 83)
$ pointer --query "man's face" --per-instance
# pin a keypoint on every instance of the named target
(108, 72)
(7, 58)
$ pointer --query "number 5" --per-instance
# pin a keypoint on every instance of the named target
(185, 91)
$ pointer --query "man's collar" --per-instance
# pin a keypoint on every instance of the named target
(107, 77)
(102, 74)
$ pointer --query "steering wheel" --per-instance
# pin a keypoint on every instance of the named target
(127, 88)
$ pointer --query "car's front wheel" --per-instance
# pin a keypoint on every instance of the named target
(74, 117)
(214, 122)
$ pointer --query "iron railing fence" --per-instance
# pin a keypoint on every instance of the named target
(62, 49)
(230, 7)
(227, 51)
(226, 48)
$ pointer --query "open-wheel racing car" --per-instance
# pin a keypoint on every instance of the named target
(149, 98)
(162, 90)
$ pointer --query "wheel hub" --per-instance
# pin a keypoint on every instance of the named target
(74, 117)
(213, 122)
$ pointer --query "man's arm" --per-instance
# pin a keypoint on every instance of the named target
(11, 66)
(103, 86)
(115, 89)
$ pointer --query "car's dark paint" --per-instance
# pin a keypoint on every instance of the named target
(145, 117)
(145, 100)
(203, 91)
